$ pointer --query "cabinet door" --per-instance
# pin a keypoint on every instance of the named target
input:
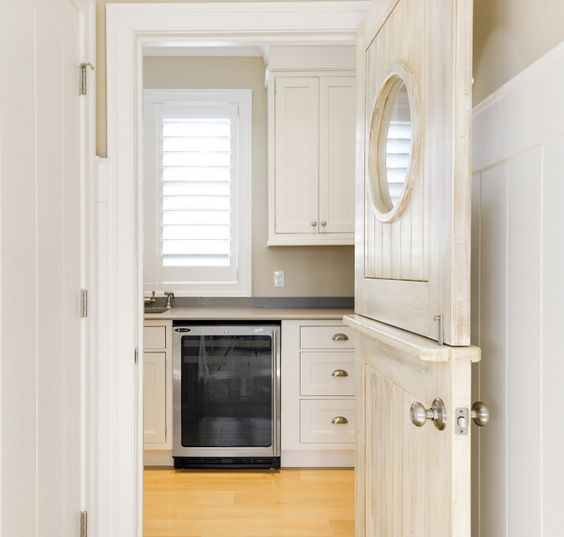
(154, 397)
(296, 168)
(336, 154)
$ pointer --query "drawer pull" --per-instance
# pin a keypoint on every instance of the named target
(339, 373)
(340, 337)
(339, 420)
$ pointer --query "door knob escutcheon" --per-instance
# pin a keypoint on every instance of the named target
(437, 414)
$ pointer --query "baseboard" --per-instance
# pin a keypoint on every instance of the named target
(318, 459)
(290, 459)
(158, 458)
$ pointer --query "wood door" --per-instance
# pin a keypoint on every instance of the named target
(154, 398)
(296, 154)
(42, 358)
(411, 481)
(336, 154)
(414, 247)
(413, 269)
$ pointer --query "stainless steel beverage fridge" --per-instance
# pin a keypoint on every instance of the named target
(226, 394)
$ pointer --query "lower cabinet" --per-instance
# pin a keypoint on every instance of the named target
(157, 385)
(317, 401)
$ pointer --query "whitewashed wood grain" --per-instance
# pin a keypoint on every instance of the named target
(410, 481)
(418, 266)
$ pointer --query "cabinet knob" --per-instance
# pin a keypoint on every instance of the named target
(323, 223)
(314, 223)
(339, 420)
(339, 373)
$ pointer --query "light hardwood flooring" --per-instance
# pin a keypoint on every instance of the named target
(219, 503)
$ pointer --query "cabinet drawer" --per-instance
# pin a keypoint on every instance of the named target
(326, 337)
(319, 421)
(327, 373)
(154, 337)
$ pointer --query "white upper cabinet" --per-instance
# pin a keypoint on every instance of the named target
(336, 154)
(296, 155)
(311, 158)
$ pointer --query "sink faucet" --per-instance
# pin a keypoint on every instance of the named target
(150, 299)
(169, 298)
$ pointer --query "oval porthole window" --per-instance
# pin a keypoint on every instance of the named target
(391, 146)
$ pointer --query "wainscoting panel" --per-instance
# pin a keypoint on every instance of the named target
(518, 305)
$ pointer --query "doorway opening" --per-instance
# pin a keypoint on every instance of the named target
(131, 31)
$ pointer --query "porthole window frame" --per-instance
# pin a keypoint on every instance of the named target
(399, 75)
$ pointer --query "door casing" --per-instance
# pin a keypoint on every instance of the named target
(119, 287)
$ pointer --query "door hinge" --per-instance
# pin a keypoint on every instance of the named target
(136, 355)
(83, 88)
(84, 303)
(84, 524)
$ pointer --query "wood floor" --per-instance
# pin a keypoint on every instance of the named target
(288, 503)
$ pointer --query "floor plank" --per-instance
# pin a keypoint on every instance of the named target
(223, 503)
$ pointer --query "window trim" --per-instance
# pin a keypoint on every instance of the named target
(241, 282)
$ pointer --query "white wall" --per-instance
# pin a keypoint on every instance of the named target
(40, 248)
(518, 303)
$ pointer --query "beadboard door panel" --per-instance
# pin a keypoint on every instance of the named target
(410, 480)
(415, 260)
(42, 177)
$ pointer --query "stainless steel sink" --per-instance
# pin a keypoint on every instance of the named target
(151, 303)
(156, 309)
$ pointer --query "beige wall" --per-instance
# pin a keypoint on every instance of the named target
(509, 35)
(310, 271)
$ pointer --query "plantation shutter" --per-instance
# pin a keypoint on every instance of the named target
(197, 165)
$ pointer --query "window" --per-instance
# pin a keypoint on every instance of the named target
(197, 147)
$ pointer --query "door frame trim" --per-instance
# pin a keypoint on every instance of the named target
(117, 401)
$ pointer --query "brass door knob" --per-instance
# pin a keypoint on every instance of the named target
(436, 414)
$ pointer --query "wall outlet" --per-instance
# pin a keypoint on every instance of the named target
(279, 278)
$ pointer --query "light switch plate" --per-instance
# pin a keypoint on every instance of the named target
(279, 278)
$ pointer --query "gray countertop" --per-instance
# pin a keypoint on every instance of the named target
(248, 313)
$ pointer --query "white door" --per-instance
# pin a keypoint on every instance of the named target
(296, 154)
(413, 270)
(40, 226)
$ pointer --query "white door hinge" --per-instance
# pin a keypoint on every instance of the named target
(84, 524)
(84, 303)
(83, 87)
